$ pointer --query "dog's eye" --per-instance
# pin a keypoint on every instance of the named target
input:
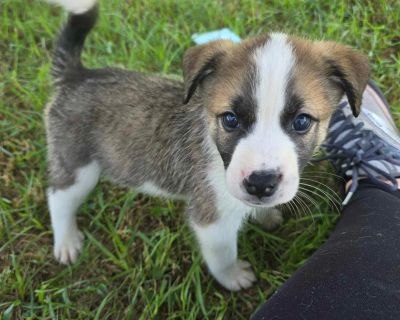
(302, 123)
(230, 121)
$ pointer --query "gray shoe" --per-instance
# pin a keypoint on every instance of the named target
(367, 146)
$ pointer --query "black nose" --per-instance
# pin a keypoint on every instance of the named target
(262, 183)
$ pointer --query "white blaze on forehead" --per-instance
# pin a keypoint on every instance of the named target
(268, 146)
(274, 62)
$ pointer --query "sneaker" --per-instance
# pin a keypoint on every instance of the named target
(367, 146)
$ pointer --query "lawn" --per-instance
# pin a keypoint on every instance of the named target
(140, 260)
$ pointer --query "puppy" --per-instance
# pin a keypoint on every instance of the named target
(230, 140)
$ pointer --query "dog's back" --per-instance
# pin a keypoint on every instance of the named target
(125, 121)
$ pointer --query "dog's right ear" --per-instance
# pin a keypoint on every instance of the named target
(201, 62)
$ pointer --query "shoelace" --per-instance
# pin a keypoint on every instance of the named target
(358, 157)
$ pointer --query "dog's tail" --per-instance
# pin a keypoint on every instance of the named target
(67, 54)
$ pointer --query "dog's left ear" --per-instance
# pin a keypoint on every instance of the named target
(349, 70)
(201, 62)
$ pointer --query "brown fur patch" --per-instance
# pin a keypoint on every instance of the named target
(232, 62)
(313, 82)
(228, 80)
(326, 70)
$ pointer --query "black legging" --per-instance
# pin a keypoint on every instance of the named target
(356, 273)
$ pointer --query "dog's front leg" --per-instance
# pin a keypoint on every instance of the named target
(218, 243)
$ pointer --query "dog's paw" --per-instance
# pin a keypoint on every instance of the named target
(67, 249)
(237, 276)
(269, 218)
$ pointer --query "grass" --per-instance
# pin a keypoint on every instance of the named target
(139, 260)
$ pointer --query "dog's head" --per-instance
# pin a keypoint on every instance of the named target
(269, 101)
